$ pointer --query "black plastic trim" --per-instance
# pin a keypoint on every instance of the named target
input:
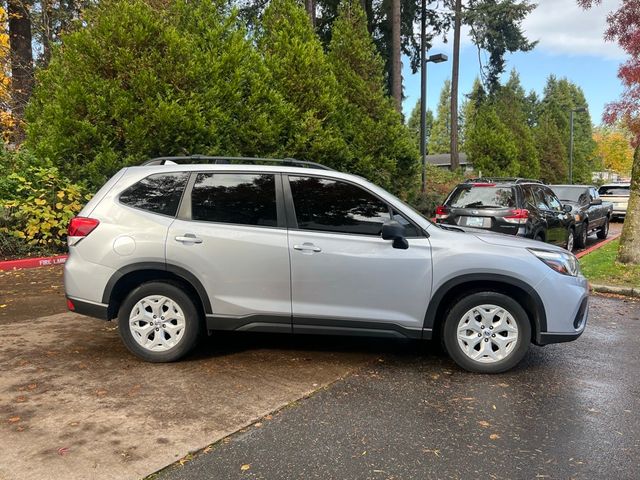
(89, 309)
(545, 338)
(336, 326)
(253, 323)
(540, 317)
(179, 271)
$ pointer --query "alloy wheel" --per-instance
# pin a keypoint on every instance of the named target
(487, 333)
(157, 323)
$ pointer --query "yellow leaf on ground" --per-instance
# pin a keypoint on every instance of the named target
(494, 436)
(14, 419)
(245, 467)
(484, 423)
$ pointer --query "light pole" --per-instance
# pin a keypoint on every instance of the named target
(573, 110)
(440, 57)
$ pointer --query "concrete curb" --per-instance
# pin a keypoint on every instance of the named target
(626, 291)
(32, 262)
(597, 246)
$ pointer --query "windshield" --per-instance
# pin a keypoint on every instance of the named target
(473, 196)
(620, 190)
(572, 194)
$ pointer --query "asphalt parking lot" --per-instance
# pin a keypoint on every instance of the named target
(75, 404)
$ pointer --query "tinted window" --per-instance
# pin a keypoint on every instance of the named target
(244, 199)
(539, 198)
(552, 200)
(159, 193)
(622, 191)
(476, 196)
(333, 206)
(572, 194)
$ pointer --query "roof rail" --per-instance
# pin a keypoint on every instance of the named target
(502, 180)
(232, 160)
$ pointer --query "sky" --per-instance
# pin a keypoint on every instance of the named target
(571, 44)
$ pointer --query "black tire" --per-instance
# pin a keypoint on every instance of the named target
(571, 240)
(462, 306)
(192, 322)
(581, 239)
(603, 232)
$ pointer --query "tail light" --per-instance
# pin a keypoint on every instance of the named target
(519, 216)
(442, 213)
(81, 226)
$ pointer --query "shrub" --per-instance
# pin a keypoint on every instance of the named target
(36, 204)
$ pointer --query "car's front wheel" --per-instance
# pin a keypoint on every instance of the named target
(570, 240)
(158, 322)
(487, 332)
(581, 240)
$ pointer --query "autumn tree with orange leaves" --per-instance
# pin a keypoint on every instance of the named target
(624, 28)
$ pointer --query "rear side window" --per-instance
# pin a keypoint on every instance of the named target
(333, 206)
(159, 193)
(614, 190)
(475, 196)
(238, 198)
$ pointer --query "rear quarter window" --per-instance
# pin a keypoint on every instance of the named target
(473, 196)
(158, 193)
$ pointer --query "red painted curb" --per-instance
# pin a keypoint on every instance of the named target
(33, 262)
(597, 246)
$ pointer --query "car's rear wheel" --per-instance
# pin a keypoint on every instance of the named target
(604, 230)
(158, 322)
(581, 240)
(570, 240)
(487, 332)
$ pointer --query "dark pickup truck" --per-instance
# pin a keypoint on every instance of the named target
(590, 212)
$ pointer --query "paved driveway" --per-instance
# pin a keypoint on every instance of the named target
(567, 412)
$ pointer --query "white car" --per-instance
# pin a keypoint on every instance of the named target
(618, 194)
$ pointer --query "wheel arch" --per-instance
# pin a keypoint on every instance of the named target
(129, 277)
(452, 290)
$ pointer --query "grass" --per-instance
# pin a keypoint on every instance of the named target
(600, 267)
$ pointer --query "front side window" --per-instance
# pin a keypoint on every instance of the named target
(552, 200)
(334, 206)
(159, 193)
(238, 198)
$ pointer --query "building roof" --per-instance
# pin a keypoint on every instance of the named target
(444, 159)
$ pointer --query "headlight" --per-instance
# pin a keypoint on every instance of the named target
(561, 262)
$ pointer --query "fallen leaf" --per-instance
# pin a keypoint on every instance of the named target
(268, 417)
(3, 305)
(494, 436)
(493, 406)
(100, 393)
(258, 425)
(62, 451)
(484, 423)
(245, 467)
(14, 419)
(208, 449)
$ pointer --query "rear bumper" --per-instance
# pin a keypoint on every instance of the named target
(90, 309)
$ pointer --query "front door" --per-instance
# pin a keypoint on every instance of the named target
(344, 277)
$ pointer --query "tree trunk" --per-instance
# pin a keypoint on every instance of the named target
(455, 76)
(21, 56)
(47, 32)
(367, 6)
(310, 7)
(396, 61)
(629, 251)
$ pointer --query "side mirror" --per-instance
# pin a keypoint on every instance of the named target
(567, 208)
(392, 230)
(596, 201)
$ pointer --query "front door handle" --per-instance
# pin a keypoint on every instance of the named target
(307, 247)
(188, 238)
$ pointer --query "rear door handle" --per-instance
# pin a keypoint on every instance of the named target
(307, 247)
(188, 238)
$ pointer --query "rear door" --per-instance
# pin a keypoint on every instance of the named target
(557, 221)
(230, 233)
(344, 276)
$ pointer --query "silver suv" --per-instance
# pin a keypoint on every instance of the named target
(173, 251)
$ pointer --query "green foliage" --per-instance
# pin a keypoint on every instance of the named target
(512, 107)
(440, 138)
(37, 203)
(381, 147)
(490, 144)
(551, 151)
(560, 97)
(413, 124)
(138, 82)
